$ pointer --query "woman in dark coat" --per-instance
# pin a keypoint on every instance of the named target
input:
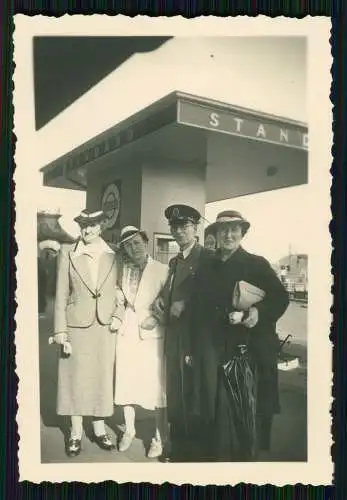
(217, 334)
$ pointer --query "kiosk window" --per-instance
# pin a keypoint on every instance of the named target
(165, 247)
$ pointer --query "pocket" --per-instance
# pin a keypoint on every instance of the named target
(71, 300)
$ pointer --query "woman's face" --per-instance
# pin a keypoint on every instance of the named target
(90, 233)
(136, 249)
(229, 236)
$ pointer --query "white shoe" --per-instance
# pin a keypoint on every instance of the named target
(126, 441)
(156, 449)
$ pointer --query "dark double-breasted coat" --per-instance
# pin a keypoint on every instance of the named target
(214, 340)
(179, 286)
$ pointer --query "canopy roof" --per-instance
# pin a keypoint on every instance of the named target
(211, 129)
(65, 67)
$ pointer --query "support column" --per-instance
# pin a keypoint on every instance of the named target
(165, 182)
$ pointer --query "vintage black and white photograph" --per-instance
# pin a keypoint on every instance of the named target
(177, 214)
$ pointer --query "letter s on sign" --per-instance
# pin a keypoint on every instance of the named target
(214, 119)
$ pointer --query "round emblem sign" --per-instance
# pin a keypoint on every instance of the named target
(110, 205)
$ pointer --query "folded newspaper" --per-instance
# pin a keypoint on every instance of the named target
(246, 295)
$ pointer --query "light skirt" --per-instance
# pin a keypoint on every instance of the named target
(86, 377)
(140, 371)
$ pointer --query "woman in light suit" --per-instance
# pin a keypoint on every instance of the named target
(86, 317)
(140, 373)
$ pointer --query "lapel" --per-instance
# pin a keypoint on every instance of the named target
(80, 264)
(106, 263)
(144, 281)
(124, 280)
(187, 267)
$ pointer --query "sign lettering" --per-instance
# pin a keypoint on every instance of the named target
(239, 122)
(225, 121)
(114, 141)
(214, 120)
(261, 131)
(228, 121)
(284, 135)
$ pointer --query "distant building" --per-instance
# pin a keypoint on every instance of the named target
(293, 272)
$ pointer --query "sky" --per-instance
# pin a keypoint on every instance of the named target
(278, 222)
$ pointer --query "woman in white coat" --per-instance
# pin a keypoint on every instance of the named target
(140, 371)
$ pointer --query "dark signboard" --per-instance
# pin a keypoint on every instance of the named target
(113, 141)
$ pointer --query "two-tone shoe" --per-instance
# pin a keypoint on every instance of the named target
(73, 447)
(104, 442)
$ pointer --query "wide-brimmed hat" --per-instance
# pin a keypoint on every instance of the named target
(128, 232)
(87, 217)
(180, 214)
(229, 216)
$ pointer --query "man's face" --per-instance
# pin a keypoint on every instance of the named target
(183, 232)
(229, 236)
(90, 233)
(136, 249)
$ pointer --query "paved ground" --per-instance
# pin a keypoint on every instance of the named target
(294, 322)
(289, 433)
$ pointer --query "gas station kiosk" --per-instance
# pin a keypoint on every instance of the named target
(181, 149)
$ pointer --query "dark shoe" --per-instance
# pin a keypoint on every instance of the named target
(166, 456)
(104, 442)
(73, 447)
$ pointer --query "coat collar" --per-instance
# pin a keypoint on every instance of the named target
(188, 265)
(194, 252)
(143, 284)
(97, 248)
(80, 256)
(143, 276)
(237, 256)
(188, 250)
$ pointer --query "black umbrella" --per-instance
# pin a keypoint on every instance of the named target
(236, 409)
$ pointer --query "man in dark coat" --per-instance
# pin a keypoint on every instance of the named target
(218, 332)
(183, 221)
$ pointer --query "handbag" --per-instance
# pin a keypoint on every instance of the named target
(246, 295)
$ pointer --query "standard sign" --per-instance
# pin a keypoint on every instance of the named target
(113, 141)
(110, 205)
(229, 122)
